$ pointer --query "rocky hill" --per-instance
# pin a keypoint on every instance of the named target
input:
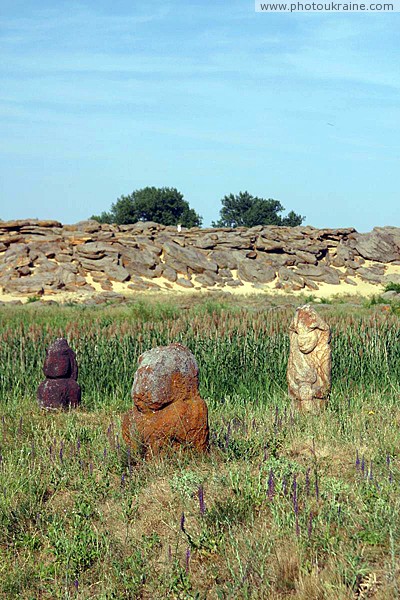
(46, 257)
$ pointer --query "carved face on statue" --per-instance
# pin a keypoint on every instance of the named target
(309, 328)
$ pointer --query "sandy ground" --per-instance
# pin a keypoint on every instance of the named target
(361, 288)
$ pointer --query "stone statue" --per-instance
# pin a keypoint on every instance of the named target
(309, 366)
(168, 410)
(60, 389)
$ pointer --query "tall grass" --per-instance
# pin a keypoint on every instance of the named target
(240, 352)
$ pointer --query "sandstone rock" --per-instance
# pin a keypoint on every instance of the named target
(256, 271)
(390, 295)
(206, 242)
(233, 240)
(281, 259)
(309, 365)
(140, 262)
(168, 411)
(319, 273)
(108, 266)
(391, 278)
(18, 224)
(186, 283)
(286, 274)
(224, 259)
(205, 280)
(169, 273)
(305, 257)
(60, 389)
(190, 257)
(380, 245)
(369, 274)
(234, 282)
(89, 226)
(354, 264)
(343, 253)
(225, 273)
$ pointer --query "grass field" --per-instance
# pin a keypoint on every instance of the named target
(283, 506)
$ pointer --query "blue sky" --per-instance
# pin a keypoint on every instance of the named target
(99, 99)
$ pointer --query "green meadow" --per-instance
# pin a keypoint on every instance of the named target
(284, 505)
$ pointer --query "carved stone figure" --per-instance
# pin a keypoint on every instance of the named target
(60, 389)
(309, 366)
(168, 410)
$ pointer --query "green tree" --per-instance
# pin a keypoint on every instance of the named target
(245, 210)
(162, 205)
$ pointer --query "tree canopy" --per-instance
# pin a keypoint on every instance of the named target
(162, 205)
(245, 210)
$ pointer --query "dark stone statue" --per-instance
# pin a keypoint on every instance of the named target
(60, 389)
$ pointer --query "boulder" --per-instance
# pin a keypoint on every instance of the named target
(256, 271)
(319, 273)
(381, 244)
(107, 265)
(189, 257)
(168, 411)
(370, 274)
(391, 278)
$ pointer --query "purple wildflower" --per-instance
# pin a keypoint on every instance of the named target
(123, 480)
(76, 584)
(294, 496)
(363, 465)
(202, 506)
(357, 461)
(271, 485)
(310, 525)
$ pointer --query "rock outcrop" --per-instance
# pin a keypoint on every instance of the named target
(168, 411)
(45, 257)
(309, 365)
(60, 389)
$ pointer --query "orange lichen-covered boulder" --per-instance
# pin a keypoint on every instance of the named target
(168, 410)
(309, 365)
(60, 388)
